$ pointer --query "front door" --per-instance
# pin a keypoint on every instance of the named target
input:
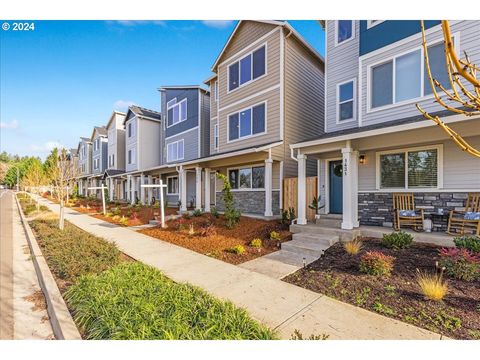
(336, 187)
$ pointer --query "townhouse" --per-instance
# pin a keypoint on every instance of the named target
(376, 142)
(99, 157)
(115, 155)
(84, 150)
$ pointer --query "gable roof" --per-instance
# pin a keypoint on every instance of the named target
(113, 117)
(284, 24)
(101, 130)
(143, 113)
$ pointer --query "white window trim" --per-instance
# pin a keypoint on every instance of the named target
(134, 156)
(347, 40)
(251, 175)
(422, 97)
(177, 144)
(216, 136)
(179, 104)
(240, 138)
(250, 53)
(215, 89)
(178, 184)
(171, 103)
(371, 24)
(438, 147)
(338, 103)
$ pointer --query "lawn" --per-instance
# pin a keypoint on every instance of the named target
(208, 235)
(111, 296)
(398, 296)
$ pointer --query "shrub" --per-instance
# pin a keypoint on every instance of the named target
(256, 243)
(432, 285)
(469, 242)
(297, 335)
(237, 249)
(116, 218)
(116, 211)
(288, 216)
(191, 230)
(275, 236)
(208, 230)
(460, 263)
(197, 213)
(123, 221)
(73, 252)
(214, 212)
(354, 246)
(376, 263)
(397, 240)
(136, 301)
(232, 215)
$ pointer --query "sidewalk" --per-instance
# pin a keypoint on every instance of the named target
(279, 305)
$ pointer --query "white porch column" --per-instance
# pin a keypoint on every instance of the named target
(302, 190)
(198, 188)
(132, 189)
(350, 188)
(149, 190)
(268, 187)
(207, 190)
(127, 188)
(142, 189)
(183, 189)
(111, 189)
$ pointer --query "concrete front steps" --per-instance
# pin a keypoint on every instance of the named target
(343, 235)
(302, 250)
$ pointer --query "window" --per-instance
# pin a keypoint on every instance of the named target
(247, 178)
(131, 156)
(345, 100)
(344, 30)
(400, 79)
(177, 112)
(172, 185)
(410, 168)
(215, 136)
(372, 23)
(247, 69)
(247, 122)
(95, 164)
(130, 130)
(175, 151)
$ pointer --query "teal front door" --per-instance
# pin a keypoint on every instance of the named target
(335, 187)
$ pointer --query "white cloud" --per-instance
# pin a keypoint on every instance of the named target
(9, 125)
(122, 105)
(217, 24)
(46, 147)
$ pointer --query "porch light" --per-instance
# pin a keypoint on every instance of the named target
(361, 159)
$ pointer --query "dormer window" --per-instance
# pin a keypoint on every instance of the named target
(247, 69)
(345, 31)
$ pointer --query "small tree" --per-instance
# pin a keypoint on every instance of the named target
(34, 177)
(315, 205)
(231, 214)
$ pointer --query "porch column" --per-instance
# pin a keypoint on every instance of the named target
(207, 190)
(302, 190)
(183, 189)
(149, 190)
(127, 188)
(198, 188)
(142, 189)
(268, 187)
(132, 189)
(350, 188)
(111, 189)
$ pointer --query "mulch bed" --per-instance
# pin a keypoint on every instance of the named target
(397, 296)
(219, 243)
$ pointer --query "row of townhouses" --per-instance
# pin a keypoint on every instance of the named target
(275, 109)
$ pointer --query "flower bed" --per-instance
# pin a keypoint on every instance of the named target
(211, 237)
(398, 296)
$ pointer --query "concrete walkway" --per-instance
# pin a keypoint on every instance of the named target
(279, 305)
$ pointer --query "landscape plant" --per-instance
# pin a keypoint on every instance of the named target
(214, 212)
(232, 215)
(275, 236)
(256, 243)
(469, 242)
(376, 263)
(197, 213)
(432, 285)
(354, 246)
(460, 263)
(315, 204)
(397, 240)
(288, 216)
(238, 249)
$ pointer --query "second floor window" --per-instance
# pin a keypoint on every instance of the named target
(177, 112)
(345, 31)
(130, 130)
(131, 156)
(175, 151)
(247, 122)
(215, 136)
(247, 69)
(400, 78)
(345, 101)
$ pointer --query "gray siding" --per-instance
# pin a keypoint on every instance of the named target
(148, 143)
(190, 145)
(205, 124)
(192, 109)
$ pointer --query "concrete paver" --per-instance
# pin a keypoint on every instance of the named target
(279, 305)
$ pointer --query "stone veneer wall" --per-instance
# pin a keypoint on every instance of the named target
(376, 208)
(251, 202)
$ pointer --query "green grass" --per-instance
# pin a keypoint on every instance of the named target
(135, 301)
(73, 252)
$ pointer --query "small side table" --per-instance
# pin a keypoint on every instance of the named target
(439, 219)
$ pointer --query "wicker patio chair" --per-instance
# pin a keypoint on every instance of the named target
(467, 221)
(405, 213)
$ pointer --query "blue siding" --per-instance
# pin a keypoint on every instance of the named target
(388, 32)
(192, 109)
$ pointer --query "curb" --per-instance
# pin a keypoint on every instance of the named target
(61, 320)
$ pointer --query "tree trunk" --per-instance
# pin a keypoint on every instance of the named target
(61, 224)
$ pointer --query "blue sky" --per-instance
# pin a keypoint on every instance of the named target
(65, 77)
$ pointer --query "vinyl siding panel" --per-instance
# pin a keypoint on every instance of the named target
(190, 145)
(205, 124)
(341, 65)
(149, 144)
(213, 102)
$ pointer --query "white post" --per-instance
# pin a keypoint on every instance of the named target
(349, 192)
(302, 190)
(183, 189)
(103, 199)
(354, 170)
(162, 207)
(268, 187)
(207, 190)
(111, 188)
(198, 188)
(149, 190)
(142, 189)
(132, 189)
(127, 187)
